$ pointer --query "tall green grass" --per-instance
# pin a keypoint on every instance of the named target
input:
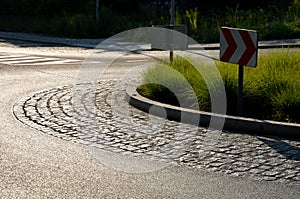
(271, 90)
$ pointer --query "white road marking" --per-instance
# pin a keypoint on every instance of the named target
(137, 60)
(22, 59)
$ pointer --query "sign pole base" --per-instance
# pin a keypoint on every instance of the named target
(240, 90)
(171, 56)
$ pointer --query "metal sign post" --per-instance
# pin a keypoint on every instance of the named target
(97, 11)
(172, 20)
(239, 46)
(240, 90)
(172, 23)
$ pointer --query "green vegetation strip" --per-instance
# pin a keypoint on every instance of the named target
(273, 19)
(271, 90)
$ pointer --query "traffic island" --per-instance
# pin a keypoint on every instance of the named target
(232, 123)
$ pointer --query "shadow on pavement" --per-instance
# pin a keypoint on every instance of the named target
(27, 44)
(282, 147)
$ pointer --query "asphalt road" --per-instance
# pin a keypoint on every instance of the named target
(34, 164)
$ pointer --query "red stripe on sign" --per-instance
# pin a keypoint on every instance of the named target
(250, 48)
(231, 45)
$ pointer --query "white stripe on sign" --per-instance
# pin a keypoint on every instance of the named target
(253, 59)
(240, 48)
(224, 45)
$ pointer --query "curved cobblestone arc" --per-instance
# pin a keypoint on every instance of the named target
(52, 112)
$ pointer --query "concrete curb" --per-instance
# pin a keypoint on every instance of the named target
(288, 43)
(92, 43)
(84, 43)
(232, 123)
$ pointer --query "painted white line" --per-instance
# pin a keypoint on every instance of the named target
(38, 59)
(18, 58)
(21, 60)
(11, 56)
(137, 60)
(58, 62)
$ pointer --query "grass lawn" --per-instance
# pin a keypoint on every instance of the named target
(271, 90)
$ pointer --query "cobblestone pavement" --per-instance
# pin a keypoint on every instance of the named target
(100, 121)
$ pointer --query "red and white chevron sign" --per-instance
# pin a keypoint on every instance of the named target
(238, 46)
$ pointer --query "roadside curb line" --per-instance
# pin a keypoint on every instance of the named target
(50, 40)
(261, 45)
(87, 43)
(232, 123)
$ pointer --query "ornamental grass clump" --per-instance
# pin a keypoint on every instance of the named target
(271, 90)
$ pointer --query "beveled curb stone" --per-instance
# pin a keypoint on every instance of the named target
(232, 123)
